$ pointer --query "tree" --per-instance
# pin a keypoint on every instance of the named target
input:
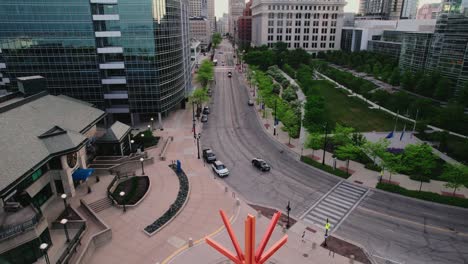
(342, 135)
(314, 113)
(391, 162)
(205, 73)
(395, 77)
(443, 89)
(289, 94)
(216, 39)
(276, 88)
(347, 152)
(456, 176)
(418, 160)
(291, 124)
(376, 149)
(314, 141)
(198, 97)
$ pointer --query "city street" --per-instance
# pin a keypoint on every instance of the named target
(392, 228)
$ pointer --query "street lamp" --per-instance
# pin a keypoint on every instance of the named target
(142, 168)
(288, 209)
(64, 223)
(152, 124)
(64, 198)
(193, 119)
(325, 143)
(149, 128)
(131, 145)
(43, 248)
(122, 194)
(274, 124)
(198, 144)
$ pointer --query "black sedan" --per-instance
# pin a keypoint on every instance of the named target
(260, 164)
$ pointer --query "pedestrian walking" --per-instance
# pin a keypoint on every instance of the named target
(303, 237)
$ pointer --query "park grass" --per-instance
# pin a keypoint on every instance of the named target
(354, 112)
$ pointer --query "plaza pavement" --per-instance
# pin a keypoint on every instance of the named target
(360, 174)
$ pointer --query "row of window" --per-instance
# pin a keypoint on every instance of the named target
(298, 38)
(298, 23)
(306, 45)
(299, 16)
(299, 30)
(303, 7)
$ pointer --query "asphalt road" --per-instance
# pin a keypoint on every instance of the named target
(390, 227)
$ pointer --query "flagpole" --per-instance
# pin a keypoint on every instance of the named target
(396, 120)
(415, 120)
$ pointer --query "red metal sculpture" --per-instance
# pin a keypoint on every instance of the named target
(250, 256)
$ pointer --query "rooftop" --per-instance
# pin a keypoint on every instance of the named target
(36, 128)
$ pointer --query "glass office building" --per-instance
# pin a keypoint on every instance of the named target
(129, 57)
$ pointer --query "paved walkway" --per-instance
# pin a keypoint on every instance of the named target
(360, 174)
(294, 251)
(199, 217)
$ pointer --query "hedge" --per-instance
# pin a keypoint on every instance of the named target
(325, 167)
(427, 196)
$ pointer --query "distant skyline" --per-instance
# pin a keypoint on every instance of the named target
(221, 6)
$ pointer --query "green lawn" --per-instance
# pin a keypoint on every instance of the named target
(353, 111)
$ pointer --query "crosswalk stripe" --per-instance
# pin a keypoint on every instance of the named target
(351, 188)
(347, 196)
(330, 212)
(339, 201)
(323, 217)
(339, 189)
(345, 184)
(333, 206)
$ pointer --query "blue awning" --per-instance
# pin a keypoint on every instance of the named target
(82, 174)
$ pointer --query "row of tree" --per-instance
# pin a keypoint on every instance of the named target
(385, 68)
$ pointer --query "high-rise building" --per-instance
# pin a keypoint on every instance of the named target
(198, 8)
(244, 24)
(200, 29)
(222, 24)
(428, 11)
(448, 52)
(312, 25)
(211, 14)
(236, 7)
(387, 9)
(124, 56)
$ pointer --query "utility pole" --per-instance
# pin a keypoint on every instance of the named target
(288, 209)
(198, 145)
(193, 118)
(325, 143)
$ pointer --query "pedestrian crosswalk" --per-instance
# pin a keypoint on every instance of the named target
(335, 205)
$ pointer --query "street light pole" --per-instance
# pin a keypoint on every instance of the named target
(193, 118)
(325, 143)
(288, 209)
(274, 122)
(43, 248)
(152, 124)
(64, 223)
(142, 167)
(64, 198)
(198, 145)
(122, 194)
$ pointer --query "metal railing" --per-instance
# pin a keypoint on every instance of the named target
(71, 248)
(12, 230)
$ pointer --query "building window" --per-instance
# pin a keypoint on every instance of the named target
(269, 7)
(42, 196)
(270, 30)
(289, 23)
(271, 23)
(296, 45)
(271, 15)
(332, 31)
(316, 16)
(333, 23)
(306, 38)
(298, 16)
(323, 45)
(289, 16)
(279, 23)
(307, 23)
(288, 30)
(324, 31)
(297, 38)
(297, 30)
(305, 45)
(315, 23)
(306, 30)
(270, 38)
(280, 16)
(298, 23)
(289, 45)
(307, 16)
(334, 16)
(314, 45)
(324, 23)
(288, 38)
(315, 30)
(325, 16)
(279, 38)
(279, 31)
(332, 38)
(331, 45)
(314, 38)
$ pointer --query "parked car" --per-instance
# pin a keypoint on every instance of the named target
(208, 155)
(206, 110)
(220, 169)
(250, 102)
(229, 74)
(260, 164)
(204, 118)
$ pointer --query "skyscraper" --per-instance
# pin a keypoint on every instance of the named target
(124, 56)
(388, 9)
(236, 7)
(211, 14)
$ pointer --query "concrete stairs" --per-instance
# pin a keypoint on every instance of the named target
(101, 204)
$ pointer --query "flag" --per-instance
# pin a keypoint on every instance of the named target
(403, 132)
(390, 135)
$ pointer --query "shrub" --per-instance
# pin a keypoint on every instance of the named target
(276, 88)
(428, 196)
(285, 83)
(373, 166)
(326, 168)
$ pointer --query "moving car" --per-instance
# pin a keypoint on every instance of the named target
(204, 118)
(206, 110)
(220, 169)
(229, 74)
(208, 155)
(250, 102)
(260, 164)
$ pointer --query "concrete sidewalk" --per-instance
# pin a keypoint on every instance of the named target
(198, 218)
(294, 251)
(360, 174)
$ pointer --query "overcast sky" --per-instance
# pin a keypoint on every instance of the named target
(221, 6)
